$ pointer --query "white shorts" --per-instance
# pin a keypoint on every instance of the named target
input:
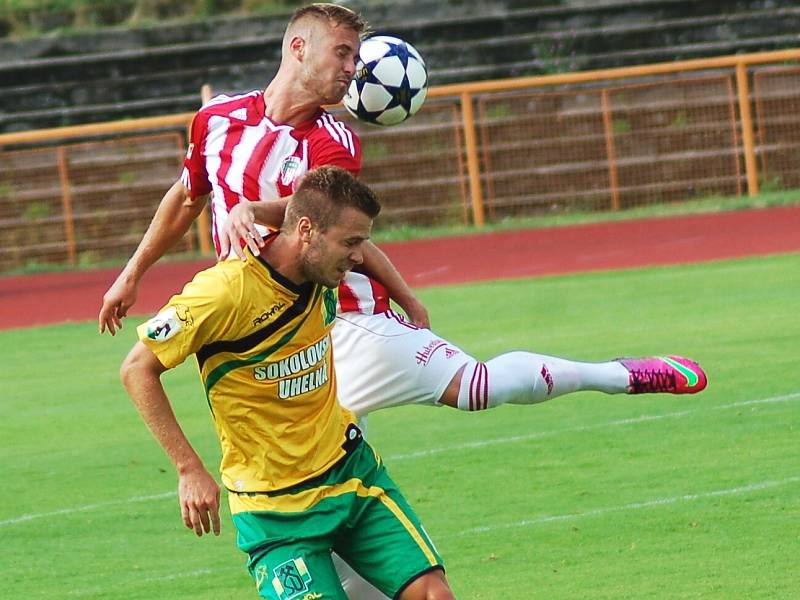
(382, 361)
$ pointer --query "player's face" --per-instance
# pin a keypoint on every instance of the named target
(331, 254)
(330, 63)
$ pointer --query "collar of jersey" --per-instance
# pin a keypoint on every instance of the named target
(300, 129)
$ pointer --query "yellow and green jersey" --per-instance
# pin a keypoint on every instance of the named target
(264, 353)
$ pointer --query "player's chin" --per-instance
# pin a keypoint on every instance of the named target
(334, 280)
(337, 93)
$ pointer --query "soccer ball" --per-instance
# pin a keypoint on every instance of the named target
(390, 84)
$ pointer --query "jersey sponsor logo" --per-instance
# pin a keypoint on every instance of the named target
(268, 314)
(291, 579)
(424, 355)
(169, 322)
(303, 360)
(294, 373)
(289, 169)
(297, 386)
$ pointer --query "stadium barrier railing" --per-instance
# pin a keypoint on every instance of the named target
(596, 140)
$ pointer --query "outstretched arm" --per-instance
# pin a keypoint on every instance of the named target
(198, 493)
(172, 220)
(376, 264)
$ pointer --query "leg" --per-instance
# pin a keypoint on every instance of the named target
(355, 586)
(381, 361)
(384, 540)
(290, 569)
(527, 378)
(430, 586)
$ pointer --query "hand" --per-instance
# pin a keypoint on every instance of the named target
(116, 302)
(417, 313)
(240, 225)
(199, 497)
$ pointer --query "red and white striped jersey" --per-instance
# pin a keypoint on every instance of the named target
(359, 293)
(237, 153)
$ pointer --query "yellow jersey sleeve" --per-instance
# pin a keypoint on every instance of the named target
(199, 314)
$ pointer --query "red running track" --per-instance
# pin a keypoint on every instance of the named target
(55, 297)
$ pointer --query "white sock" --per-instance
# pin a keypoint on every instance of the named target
(527, 378)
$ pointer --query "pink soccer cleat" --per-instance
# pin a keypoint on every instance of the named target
(669, 374)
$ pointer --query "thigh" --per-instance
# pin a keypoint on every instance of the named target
(382, 361)
(355, 586)
(385, 542)
(297, 570)
(289, 547)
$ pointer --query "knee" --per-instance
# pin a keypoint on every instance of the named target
(430, 586)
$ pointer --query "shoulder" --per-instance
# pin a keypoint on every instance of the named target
(218, 285)
(225, 105)
(242, 107)
(332, 132)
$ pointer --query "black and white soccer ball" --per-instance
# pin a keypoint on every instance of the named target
(390, 84)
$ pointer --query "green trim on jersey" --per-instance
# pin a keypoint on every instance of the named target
(265, 362)
(223, 369)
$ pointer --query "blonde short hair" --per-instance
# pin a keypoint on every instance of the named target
(332, 13)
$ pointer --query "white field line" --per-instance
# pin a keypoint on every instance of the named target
(606, 425)
(753, 487)
(433, 451)
(88, 507)
(138, 581)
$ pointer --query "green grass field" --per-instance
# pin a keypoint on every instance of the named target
(588, 496)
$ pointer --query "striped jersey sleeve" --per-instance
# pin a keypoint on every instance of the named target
(362, 294)
(334, 143)
(209, 124)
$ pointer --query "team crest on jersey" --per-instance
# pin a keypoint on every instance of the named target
(328, 306)
(289, 169)
(169, 322)
(291, 579)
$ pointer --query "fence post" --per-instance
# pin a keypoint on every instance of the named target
(743, 91)
(608, 128)
(66, 203)
(473, 166)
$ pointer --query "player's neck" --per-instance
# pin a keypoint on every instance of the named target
(282, 255)
(286, 103)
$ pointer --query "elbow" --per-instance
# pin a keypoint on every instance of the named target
(127, 371)
(138, 367)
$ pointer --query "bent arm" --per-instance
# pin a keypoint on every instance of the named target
(198, 492)
(241, 222)
(172, 220)
(270, 213)
(377, 265)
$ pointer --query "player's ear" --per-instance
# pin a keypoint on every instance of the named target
(298, 47)
(305, 229)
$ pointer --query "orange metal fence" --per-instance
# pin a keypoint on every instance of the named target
(597, 140)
